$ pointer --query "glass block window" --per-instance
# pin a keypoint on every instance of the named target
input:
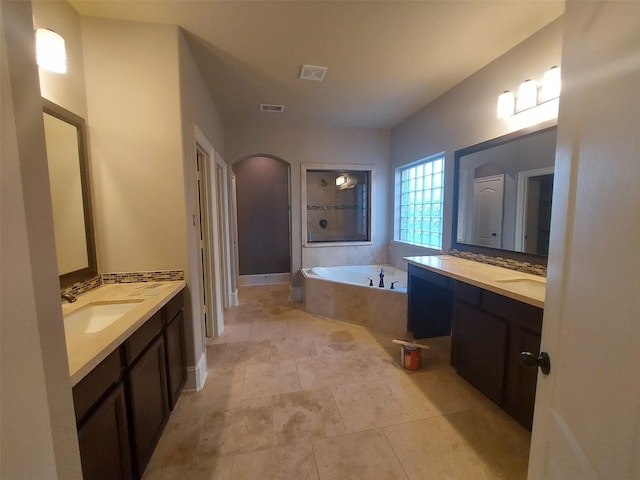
(419, 204)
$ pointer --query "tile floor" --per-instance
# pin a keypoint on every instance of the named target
(291, 395)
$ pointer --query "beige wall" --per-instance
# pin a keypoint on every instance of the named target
(466, 115)
(132, 78)
(38, 436)
(302, 145)
(197, 109)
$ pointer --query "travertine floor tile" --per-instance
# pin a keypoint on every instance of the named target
(268, 329)
(363, 406)
(238, 353)
(462, 445)
(323, 371)
(200, 468)
(292, 462)
(358, 456)
(222, 389)
(266, 379)
(243, 427)
(308, 414)
(290, 395)
(291, 348)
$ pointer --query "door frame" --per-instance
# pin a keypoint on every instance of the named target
(522, 198)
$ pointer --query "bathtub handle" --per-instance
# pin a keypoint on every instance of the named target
(370, 282)
(392, 283)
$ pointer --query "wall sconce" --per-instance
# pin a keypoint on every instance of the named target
(50, 51)
(528, 96)
(341, 180)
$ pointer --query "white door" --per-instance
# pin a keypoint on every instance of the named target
(488, 201)
(587, 418)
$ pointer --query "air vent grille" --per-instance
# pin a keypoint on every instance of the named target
(268, 107)
(313, 72)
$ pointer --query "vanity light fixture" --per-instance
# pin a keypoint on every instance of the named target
(528, 97)
(341, 180)
(550, 84)
(50, 51)
(506, 104)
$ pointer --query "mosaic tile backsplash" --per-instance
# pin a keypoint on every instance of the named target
(525, 267)
(126, 277)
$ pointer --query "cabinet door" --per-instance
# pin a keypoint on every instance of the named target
(520, 393)
(176, 360)
(479, 344)
(104, 441)
(148, 401)
(430, 303)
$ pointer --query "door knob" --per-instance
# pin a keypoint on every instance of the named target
(542, 361)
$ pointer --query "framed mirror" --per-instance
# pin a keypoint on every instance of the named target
(336, 204)
(503, 194)
(65, 137)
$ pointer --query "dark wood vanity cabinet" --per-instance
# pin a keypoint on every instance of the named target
(103, 428)
(148, 401)
(175, 349)
(123, 404)
(429, 309)
(489, 331)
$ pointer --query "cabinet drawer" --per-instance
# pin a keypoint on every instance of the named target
(518, 313)
(96, 384)
(142, 337)
(173, 307)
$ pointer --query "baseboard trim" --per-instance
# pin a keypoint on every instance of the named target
(266, 279)
(197, 375)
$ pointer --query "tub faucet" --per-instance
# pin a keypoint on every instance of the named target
(381, 284)
(68, 297)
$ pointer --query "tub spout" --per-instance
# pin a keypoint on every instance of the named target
(381, 284)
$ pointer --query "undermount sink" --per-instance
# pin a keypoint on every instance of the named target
(97, 316)
(529, 282)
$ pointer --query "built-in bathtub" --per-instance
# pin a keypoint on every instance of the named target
(344, 293)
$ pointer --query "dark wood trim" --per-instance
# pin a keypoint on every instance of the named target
(493, 252)
(67, 116)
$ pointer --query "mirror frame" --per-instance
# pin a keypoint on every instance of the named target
(71, 118)
(494, 142)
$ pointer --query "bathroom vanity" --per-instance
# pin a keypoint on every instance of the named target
(127, 371)
(492, 313)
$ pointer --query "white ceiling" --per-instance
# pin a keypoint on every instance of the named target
(386, 59)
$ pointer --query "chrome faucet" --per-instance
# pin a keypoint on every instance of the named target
(68, 297)
(381, 284)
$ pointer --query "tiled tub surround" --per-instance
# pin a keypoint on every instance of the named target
(86, 350)
(521, 286)
(344, 293)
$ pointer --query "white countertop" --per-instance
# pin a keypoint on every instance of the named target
(521, 286)
(86, 350)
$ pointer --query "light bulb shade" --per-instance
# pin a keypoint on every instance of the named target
(527, 95)
(550, 84)
(506, 104)
(50, 51)
(341, 180)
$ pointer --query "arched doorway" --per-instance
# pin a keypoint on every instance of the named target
(263, 219)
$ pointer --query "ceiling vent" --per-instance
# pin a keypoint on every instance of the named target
(313, 72)
(267, 107)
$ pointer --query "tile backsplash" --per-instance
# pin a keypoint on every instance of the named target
(123, 277)
(525, 267)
